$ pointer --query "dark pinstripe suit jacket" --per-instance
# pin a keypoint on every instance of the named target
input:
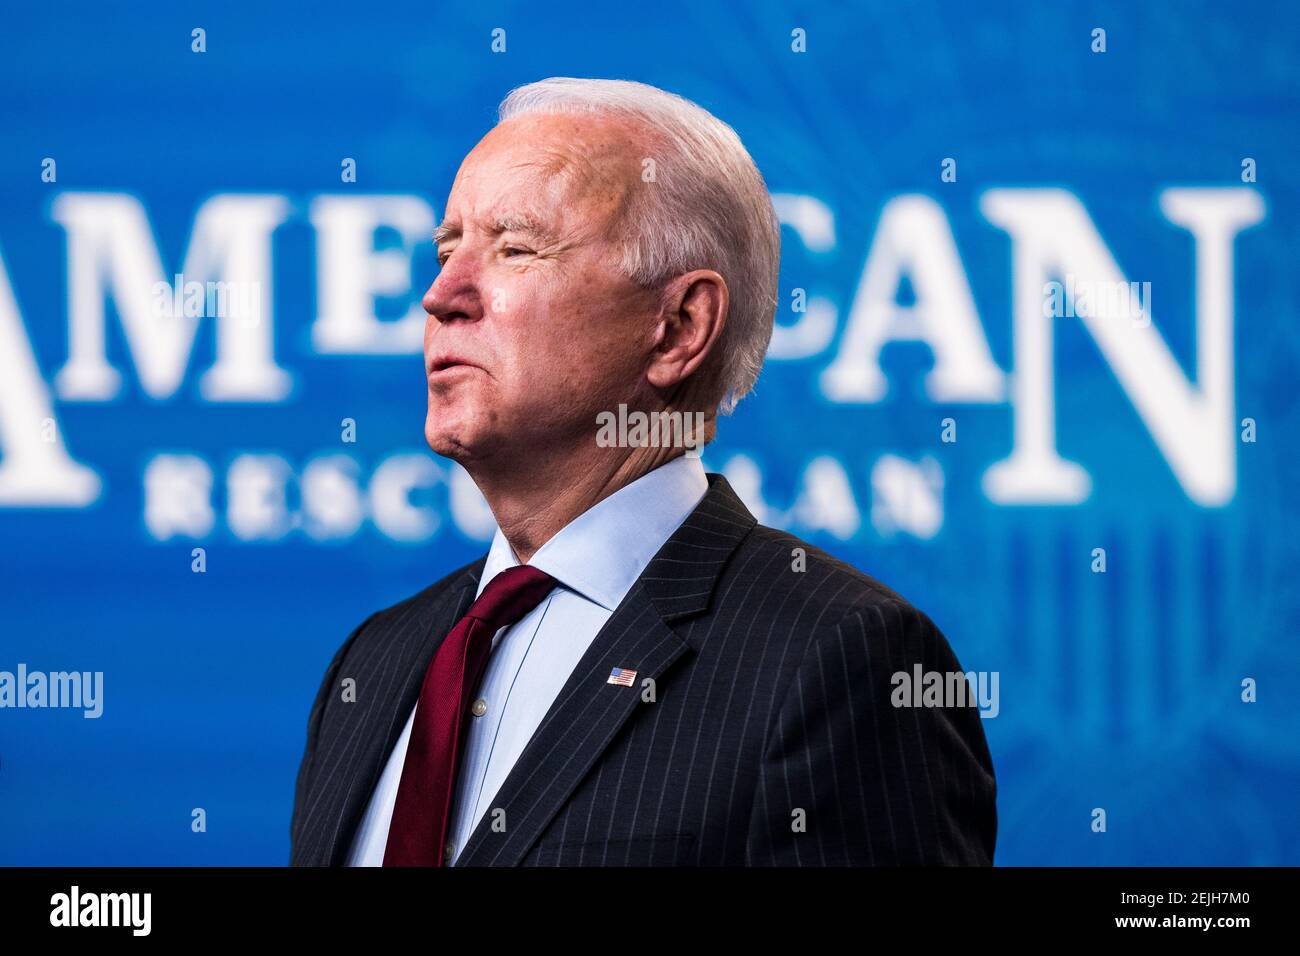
(769, 737)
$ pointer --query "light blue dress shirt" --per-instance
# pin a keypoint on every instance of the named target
(596, 558)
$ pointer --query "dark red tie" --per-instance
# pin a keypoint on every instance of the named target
(417, 834)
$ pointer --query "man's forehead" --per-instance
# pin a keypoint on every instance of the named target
(523, 181)
(582, 133)
(521, 190)
(528, 177)
(544, 154)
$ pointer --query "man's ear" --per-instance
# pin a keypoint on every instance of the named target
(693, 314)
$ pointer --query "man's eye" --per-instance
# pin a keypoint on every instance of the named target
(515, 250)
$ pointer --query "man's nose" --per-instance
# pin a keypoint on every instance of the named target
(454, 293)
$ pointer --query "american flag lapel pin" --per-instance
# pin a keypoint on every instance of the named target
(621, 676)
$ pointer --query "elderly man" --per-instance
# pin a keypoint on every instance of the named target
(636, 673)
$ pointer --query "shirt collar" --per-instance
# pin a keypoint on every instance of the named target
(602, 552)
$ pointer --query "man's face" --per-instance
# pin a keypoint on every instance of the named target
(532, 331)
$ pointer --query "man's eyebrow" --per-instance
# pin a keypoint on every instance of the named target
(516, 222)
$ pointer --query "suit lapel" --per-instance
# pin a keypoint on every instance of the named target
(407, 651)
(589, 712)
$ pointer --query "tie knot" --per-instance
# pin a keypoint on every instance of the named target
(510, 595)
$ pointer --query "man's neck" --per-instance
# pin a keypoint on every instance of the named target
(532, 504)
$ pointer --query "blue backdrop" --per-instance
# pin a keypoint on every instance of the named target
(937, 166)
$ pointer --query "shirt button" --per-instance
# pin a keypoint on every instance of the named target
(479, 708)
(447, 853)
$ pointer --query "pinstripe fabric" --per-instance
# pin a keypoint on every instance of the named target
(769, 706)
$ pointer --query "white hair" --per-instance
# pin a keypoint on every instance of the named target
(711, 210)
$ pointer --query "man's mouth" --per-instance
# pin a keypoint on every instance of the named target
(448, 364)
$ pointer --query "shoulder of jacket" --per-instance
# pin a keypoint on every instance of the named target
(789, 563)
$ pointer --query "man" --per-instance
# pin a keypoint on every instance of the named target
(636, 673)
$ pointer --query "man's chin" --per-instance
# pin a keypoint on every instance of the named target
(460, 444)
